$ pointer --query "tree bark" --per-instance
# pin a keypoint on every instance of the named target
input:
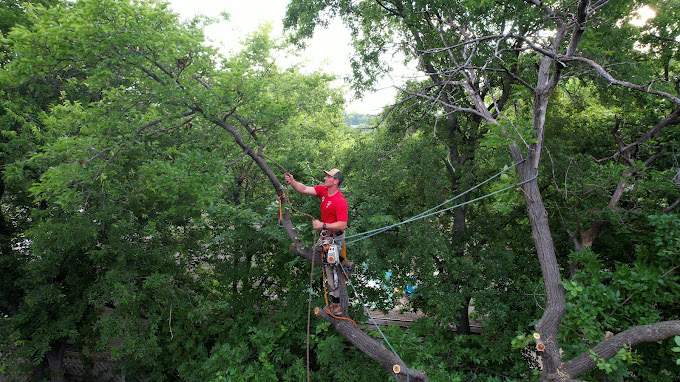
(464, 318)
(55, 360)
(549, 322)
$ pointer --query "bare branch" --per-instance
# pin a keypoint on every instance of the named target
(579, 27)
(602, 72)
(672, 206)
(487, 116)
(665, 38)
(595, 7)
(653, 132)
(243, 154)
(549, 11)
(560, 59)
(608, 348)
(152, 75)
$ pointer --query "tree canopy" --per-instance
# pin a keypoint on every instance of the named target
(143, 219)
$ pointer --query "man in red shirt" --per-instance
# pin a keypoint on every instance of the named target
(333, 221)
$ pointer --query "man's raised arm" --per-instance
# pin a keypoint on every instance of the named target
(299, 187)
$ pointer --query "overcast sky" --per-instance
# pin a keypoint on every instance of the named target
(329, 50)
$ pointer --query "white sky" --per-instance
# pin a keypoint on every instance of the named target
(328, 50)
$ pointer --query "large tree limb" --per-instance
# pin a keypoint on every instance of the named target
(608, 348)
(372, 348)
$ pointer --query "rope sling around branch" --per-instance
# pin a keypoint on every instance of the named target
(433, 211)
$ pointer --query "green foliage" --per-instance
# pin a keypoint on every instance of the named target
(599, 301)
(132, 226)
(676, 349)
(136, 236)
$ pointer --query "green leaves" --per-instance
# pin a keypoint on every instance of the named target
(676, 349)
(139, 205)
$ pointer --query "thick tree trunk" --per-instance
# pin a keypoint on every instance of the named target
(547, 326)
(55, 360)
(464, 318)
(555, 300)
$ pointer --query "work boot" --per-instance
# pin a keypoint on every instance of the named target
(347, 265)
(336, 309)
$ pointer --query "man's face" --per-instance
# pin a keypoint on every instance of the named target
(329, 181)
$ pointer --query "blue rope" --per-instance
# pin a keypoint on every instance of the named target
(433, 211)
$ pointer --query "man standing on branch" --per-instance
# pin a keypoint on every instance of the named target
(332, 224)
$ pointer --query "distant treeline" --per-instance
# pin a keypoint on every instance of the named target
(358, 120)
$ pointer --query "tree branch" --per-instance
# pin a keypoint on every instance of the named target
(372, 348)
(608, 348)
(672, 206)
(600, 70)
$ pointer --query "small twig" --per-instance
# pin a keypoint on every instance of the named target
(525, 193)
(243, 154)
(101, 171)
(275, 162)
(170, 323)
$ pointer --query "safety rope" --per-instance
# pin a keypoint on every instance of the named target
(283, 195)
(309, 308)
(430, 212)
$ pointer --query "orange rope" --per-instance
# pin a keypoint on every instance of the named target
(280, 207)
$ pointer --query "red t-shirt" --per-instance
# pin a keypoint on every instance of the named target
(333, 208)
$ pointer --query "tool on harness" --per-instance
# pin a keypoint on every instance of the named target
(333, 254)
